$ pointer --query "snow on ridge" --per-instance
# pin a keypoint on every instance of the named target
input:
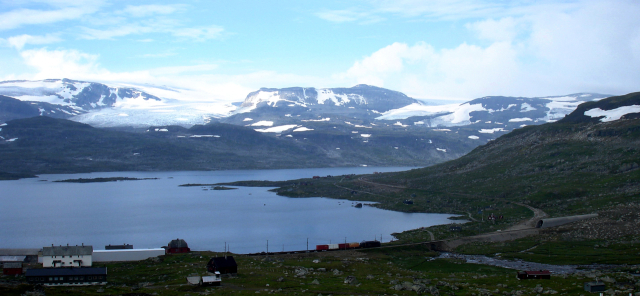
(492, 130)
(525, 107)
(326, 94)
(474, 137)
(613, 114)
(316, 120)
(263, 123)
(502, 109)
(247, 119)
(520, 119)
(11, 140)
(302, 129)
(441, 149)
(277, 129)
(365, 135)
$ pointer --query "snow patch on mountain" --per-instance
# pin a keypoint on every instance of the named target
(520, 119)
(277, 129)
(263, 123)
(491, 131)
(339, 99)
(302, 129)
(613, 114)
(474, 137)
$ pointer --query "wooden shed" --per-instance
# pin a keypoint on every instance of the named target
(224, 265)
(534, 274)
(12, 268)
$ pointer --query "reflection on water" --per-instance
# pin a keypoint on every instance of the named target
(149, 213)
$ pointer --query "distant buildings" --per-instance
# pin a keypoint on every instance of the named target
(67, 276)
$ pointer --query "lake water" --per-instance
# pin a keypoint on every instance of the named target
(149, 213)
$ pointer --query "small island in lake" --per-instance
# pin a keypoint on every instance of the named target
(96, 180)
(213, 186)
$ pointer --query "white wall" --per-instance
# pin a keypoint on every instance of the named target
(67, 261)
(126, 254)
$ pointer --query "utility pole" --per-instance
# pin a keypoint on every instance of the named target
(307, 244)
(267, 248)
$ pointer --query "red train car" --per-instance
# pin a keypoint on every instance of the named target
(322, 247)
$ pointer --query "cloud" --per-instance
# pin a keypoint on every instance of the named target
(194, 33)
(593, 49)
(496, 30)
(20, 17)
(57, 63)
(347, 15)
(148, 10)
(183, 69)
(198, 33)
(18, 42)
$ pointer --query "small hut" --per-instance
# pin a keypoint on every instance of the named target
(224, 265)
(594, 287)
(177, 246)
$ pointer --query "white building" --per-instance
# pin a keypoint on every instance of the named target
(126, 254)
(67, 256)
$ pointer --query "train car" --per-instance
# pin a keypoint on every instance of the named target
(354, 245)
(334, 247)
(343, 246)
(370, 244)
(322, 247)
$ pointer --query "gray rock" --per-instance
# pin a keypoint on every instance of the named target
(280, 279)
(351, 280)
(315, 282)
(337, 272)
(369, 277)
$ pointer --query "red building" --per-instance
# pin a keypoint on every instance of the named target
(177, 246)
(11, 268)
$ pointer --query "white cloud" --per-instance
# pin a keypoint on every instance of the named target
(505, 29)
(595, 48)
(198, 33)
(148, 10)
(183, 69)
(194, 34)
(53, 64)
(18, 42)
(68, 11)
(348, 15)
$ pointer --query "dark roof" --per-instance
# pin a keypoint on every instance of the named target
(67, 250)
(538, 272)
(67, 271)
(178, 243)
(223, 262)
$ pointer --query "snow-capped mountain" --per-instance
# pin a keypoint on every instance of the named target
(79, 95)
(509, 111)
(361, 96)
(104, 105)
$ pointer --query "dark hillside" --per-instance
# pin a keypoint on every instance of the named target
(571, 166)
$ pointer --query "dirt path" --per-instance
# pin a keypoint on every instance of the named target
(531, 223)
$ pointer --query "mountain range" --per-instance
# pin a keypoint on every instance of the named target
(361, 125)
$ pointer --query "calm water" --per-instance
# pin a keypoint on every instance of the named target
(149, 213)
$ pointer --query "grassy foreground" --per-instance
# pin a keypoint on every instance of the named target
(399, 271)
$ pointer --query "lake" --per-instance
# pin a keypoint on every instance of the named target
(38, 212)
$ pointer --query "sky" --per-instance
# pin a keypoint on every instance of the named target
(428, 49)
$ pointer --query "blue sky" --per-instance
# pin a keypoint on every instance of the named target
(429, 49)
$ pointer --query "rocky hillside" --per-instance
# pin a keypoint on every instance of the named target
(586, 161)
